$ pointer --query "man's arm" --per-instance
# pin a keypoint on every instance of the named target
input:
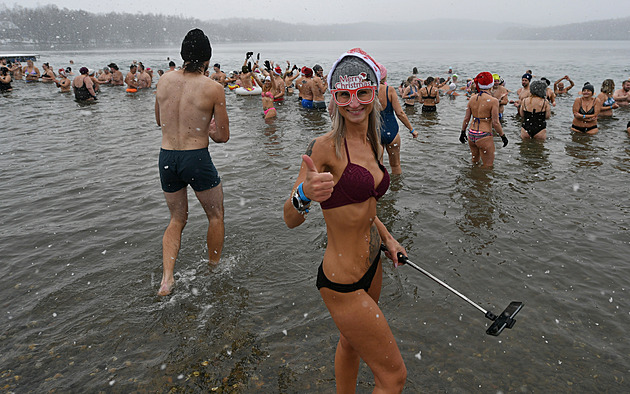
(157, 112)
(221, 133)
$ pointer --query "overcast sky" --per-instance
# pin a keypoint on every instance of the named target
(532, 12)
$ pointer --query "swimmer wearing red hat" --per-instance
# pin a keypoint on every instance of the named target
(484, 110)
(63, 83)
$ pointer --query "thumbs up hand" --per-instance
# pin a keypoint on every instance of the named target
(317, 186)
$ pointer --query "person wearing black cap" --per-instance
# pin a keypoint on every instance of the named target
(524, 91)
(190, 109)
(585, 111)
(218, 75)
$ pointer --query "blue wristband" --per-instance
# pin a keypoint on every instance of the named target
(301, 193)
(412, 130)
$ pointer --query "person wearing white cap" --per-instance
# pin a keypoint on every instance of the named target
(341, 170)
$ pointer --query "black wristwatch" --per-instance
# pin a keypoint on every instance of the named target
(299, 204)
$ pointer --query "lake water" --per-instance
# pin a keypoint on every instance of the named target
(83, 216)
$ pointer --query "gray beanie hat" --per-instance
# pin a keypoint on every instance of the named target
(352, 64)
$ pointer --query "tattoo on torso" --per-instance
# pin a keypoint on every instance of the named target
(375, 243)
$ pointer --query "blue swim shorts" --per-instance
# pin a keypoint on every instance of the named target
(179, 168)
(307, 103)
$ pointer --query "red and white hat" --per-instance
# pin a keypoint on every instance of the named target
(484, 80)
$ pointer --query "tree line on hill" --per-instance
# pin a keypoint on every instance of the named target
(50, 26)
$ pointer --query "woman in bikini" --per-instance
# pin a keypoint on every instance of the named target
(342, 172)
(31, 72)
(391, 109)
(429, 95)
(535, 110)
(585, 111)
(484, 110)
(410, 93)
(48, 75)
(269, 111)
(606, 98)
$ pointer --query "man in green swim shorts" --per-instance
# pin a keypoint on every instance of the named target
(185, 104)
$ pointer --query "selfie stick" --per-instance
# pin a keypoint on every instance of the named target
(504, 320)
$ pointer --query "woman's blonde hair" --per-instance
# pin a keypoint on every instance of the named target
(373, 131)
(608, 86)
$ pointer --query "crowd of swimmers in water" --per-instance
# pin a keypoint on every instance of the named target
(534, 100)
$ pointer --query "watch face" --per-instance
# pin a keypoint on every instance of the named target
(296, 201)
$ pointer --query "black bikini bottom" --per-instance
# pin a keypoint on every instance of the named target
(429, 108)
(364, 283)
(583, 129)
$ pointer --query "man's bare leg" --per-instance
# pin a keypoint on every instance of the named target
(178, 206)
(212, 202)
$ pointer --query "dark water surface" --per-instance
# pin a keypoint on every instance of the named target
(83, 216)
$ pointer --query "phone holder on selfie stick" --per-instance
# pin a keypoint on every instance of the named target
(504, 320)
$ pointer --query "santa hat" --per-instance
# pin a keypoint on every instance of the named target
(484, 80)
(277, 70)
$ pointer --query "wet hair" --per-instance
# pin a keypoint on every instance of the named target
(410, 80)
(442, 80)
(538, 89)
(352, 65)
(84, 70)
(608, 86)
(171, 64)
(429, 81)
(415, 70)
(317, 67)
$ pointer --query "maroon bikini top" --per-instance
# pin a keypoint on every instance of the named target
(356, 185)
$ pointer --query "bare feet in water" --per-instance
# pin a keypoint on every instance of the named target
(166, 287)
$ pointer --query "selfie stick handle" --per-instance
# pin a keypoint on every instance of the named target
(405, 260)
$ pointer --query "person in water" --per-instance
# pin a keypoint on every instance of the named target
(48, 75)
(410, 93)
(341, 171)
(31, 72)
(484, 111)
(622, 96)
(64, 83)
(217, 75)
(117, 77)
(391, 109)
(131, 80)
(500, 93)
(83, 86)
(184, 157)
(606, 98)
(269, 111)
(535, 110)
(523, 91)
(559, 88)
(5, 80)
(585, 111)
(429, 96)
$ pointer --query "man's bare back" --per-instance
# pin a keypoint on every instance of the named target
(185, 104)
